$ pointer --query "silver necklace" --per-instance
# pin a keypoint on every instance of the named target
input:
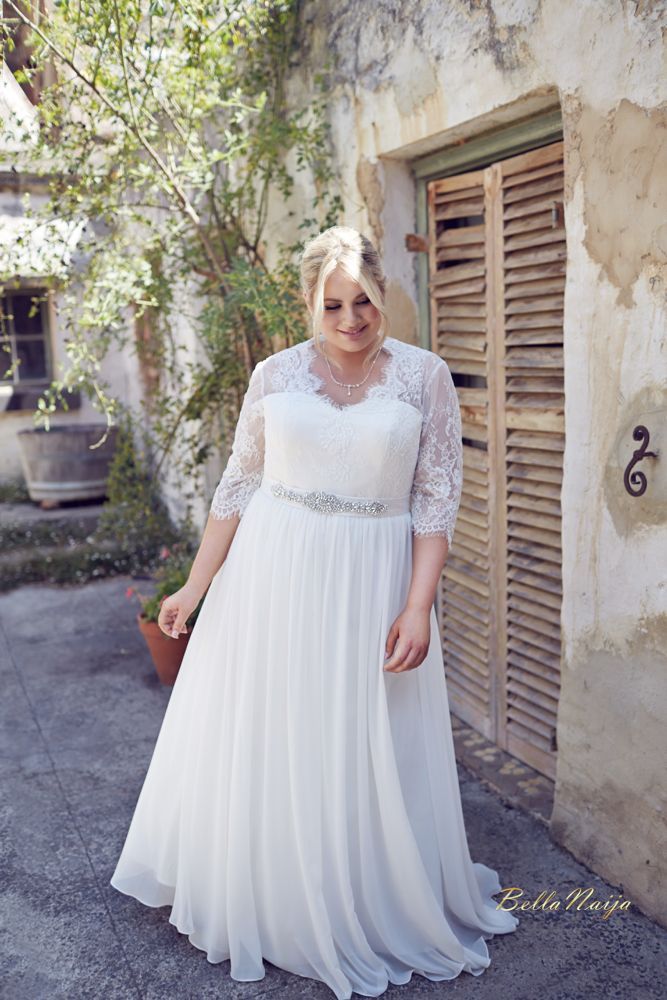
(350, 385)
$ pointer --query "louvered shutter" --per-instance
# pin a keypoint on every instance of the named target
(457, 268)
(497, 274)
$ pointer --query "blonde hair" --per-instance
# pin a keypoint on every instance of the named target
(344, 247)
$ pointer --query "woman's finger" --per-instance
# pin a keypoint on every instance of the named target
(176, 625)
(166, 617)
(399, 655)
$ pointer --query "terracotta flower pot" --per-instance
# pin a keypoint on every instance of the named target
(167, 653)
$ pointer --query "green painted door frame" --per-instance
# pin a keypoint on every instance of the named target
(478, 152)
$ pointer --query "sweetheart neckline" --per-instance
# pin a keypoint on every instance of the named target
(321, 381)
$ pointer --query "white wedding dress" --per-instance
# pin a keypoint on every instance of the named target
(302, 804)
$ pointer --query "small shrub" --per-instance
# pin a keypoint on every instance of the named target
(135, 516)
(14, 491)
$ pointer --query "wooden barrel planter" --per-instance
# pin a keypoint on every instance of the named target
(59, 464)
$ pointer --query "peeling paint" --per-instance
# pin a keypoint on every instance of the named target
(506, 41)
(370, 188)
(624, 158)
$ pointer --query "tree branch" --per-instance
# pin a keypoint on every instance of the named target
(181, 196)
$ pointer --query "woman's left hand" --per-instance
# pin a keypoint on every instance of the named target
(408, 640)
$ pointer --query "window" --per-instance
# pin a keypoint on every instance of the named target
(25, 356)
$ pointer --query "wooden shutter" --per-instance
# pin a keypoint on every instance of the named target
(457, 266)
(497, 275)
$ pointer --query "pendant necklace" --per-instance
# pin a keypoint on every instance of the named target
(351, 385)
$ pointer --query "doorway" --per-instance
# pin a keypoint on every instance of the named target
(496, 280)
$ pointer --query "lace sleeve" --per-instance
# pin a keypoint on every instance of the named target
(438, 477)
(244, 469)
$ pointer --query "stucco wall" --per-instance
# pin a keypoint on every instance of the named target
(415, 77)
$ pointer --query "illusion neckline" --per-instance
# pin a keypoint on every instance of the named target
(369, 394)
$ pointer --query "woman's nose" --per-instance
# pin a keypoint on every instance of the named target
(350, 314)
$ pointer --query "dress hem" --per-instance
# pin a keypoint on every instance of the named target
(344, 995)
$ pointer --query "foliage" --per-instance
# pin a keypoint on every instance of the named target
(14, 491)
(135, 516)
(170, 576)
(164, 136)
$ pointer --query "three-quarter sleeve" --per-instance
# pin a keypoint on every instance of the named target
(438, 477)
(244, 469)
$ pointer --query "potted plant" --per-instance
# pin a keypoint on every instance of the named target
(166, 652)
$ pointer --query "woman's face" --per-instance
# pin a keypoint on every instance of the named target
(350, 320)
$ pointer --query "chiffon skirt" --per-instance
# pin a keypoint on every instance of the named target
(301, 804)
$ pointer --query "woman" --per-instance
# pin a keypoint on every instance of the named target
(302, 803)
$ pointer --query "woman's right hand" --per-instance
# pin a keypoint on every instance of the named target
(176, 609)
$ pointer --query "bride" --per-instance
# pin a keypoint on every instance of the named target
(302, 803)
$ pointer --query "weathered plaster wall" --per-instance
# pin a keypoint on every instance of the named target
(419, 75)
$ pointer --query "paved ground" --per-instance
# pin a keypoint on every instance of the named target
(81, 708)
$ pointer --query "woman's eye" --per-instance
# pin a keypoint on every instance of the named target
(364, 302)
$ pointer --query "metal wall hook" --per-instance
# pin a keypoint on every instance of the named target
(635, 482)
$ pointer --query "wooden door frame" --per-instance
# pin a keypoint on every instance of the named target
(479, 151)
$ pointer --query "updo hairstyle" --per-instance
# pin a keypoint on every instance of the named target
(344, 247)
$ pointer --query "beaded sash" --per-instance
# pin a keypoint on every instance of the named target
(336, 503)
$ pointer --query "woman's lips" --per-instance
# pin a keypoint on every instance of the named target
(353, 333)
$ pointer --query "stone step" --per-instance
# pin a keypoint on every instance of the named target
(28, 525)
(74, 562)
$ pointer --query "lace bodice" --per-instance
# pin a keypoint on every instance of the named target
(403, 436)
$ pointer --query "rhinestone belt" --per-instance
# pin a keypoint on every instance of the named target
(333, 503)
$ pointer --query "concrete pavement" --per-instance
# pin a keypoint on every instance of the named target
(81, 708)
